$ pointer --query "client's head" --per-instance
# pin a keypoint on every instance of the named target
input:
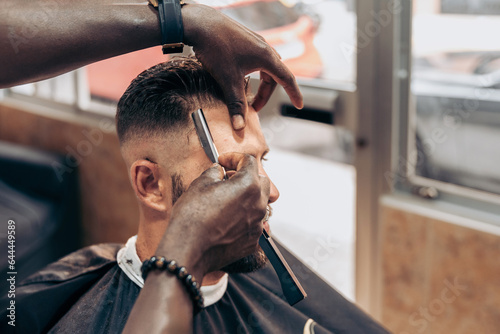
(160, 146)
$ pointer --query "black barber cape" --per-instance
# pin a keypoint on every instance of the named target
(86, 292)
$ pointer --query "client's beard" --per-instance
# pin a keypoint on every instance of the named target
(246, 264)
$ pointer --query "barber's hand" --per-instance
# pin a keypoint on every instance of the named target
(230, 51)
(215, 222)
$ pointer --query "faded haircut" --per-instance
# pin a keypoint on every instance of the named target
(162, 98)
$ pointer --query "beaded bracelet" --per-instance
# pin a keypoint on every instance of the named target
(181, 273)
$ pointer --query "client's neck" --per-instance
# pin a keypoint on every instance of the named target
(212, 278)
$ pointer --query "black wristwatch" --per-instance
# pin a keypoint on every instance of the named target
(172, 29)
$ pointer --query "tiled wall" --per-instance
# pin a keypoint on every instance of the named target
(438, 277)
(108, 204)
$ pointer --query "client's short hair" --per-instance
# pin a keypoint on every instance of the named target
(162, 98)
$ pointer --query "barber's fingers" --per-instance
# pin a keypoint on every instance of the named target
(246, 168)
(266, 88)
(209, 176)
(236, 100)
(247, 173)
(272, 72)
(239, 162)
(283, 76)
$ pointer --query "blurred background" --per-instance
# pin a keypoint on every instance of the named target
(389, 178)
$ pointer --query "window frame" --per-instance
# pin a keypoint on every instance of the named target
(406, 178)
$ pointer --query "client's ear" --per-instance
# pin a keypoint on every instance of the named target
(145, 177)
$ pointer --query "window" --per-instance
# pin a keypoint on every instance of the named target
(454, 120)
(316, 40)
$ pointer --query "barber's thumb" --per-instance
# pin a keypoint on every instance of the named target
(211, 175)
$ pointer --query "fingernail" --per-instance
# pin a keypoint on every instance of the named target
(238, 122)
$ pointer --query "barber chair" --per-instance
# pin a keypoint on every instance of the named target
(44, 206)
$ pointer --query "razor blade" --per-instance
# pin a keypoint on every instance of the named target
(290, 285)
(206, 140)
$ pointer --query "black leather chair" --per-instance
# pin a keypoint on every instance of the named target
(44, 206)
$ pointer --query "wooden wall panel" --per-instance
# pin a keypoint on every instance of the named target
(108, 204)
(438, 277)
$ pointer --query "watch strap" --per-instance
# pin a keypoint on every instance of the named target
(172, 29)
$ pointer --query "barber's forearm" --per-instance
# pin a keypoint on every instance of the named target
(163, 306)
(41, 39)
